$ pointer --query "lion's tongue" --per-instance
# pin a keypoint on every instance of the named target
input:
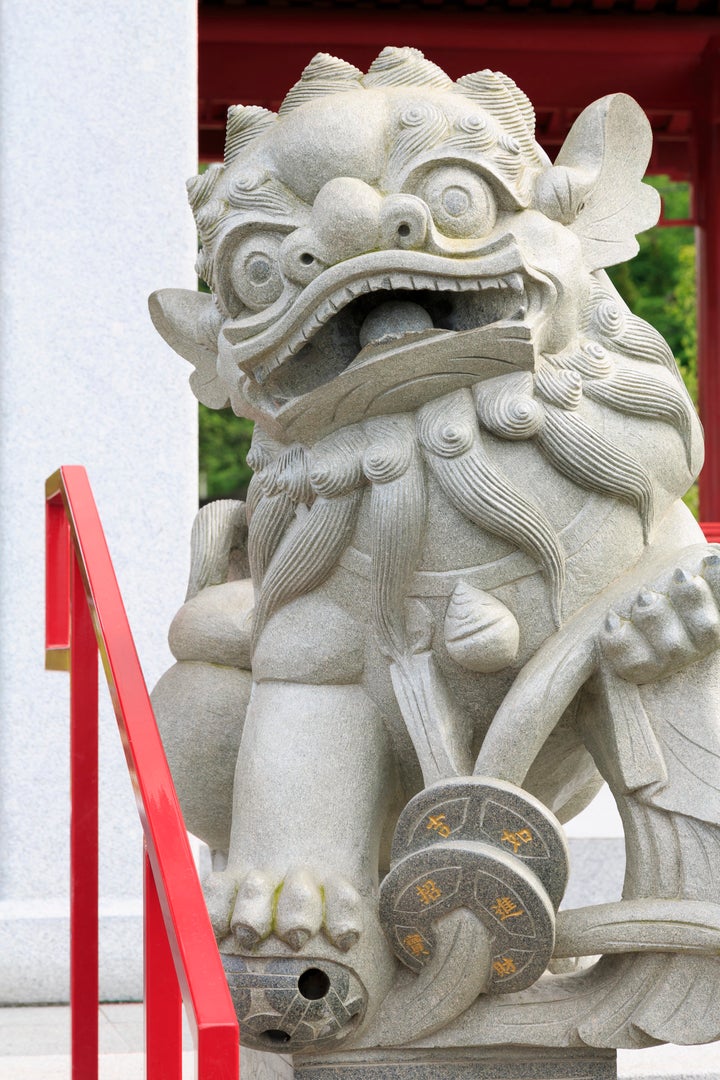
(394, 319)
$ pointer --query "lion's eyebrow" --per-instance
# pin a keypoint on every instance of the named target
(267, 195)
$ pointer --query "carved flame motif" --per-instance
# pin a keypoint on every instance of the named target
(481, 634)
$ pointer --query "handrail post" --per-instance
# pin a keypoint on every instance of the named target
(84, 983)
(163, 1001)
(58, 555)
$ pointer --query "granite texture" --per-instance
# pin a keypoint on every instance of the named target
(474, 594)
(288, 1005)
(573, 1065)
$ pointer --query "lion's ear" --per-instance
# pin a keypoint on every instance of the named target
(595, 186)
(190, 323)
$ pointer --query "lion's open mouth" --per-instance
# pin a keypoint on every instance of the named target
(388, 318)
(414, 318)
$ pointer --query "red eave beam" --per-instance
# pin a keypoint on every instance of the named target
(562, 62)
(452, 28)
(708, 279)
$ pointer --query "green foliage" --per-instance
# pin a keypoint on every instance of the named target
(224, 443)
(686, 305)
(658, 285)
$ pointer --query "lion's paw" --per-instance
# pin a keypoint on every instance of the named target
(251, 905)
(667, 627)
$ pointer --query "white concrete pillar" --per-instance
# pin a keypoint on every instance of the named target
(99, 132)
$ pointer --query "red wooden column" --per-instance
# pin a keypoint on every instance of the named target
(708, 270)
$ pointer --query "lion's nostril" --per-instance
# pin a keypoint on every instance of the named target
(403, 221)
(313, 984)
(306, 258)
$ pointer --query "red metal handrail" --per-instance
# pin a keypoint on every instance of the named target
(84, 613)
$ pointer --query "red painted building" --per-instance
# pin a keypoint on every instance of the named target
(563, 53)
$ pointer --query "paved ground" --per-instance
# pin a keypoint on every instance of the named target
(34, 1045)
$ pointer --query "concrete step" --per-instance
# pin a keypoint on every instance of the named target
(35, 1045)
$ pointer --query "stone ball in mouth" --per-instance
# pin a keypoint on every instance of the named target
(394, 319)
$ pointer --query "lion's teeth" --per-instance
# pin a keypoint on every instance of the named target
(400, 280)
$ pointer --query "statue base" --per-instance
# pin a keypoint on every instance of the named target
(472, 1063)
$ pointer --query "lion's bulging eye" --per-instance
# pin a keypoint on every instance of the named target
(460, 201)
(456, 201)
(256, 277)
(258, 269)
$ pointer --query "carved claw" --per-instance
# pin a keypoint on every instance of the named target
(694, 601)
(627, 651)
(252, 915)
(668, 626)
(343, 919)
(654, 615)
(220, 890)
(255, 904)
(299, 909)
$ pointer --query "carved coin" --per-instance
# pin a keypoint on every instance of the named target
(503, 894)
(492, 812)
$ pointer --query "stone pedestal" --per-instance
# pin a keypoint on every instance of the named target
(465, 1064)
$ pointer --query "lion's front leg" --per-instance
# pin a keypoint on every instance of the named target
(304, 844)
(200, 704)
(314, 785)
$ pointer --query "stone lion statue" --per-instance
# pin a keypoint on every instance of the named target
(463, 589)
